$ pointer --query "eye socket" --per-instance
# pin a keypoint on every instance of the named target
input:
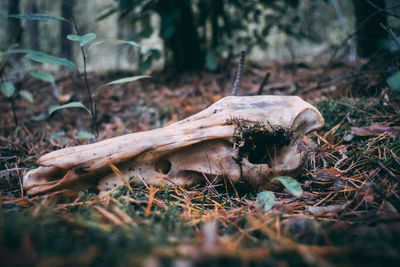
(262, 147)
(163, 165)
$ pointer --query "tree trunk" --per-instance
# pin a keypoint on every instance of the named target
(67, 7)
(371, 38)
(14, 28)
(217, 10)
(180, 36)
(33, 27)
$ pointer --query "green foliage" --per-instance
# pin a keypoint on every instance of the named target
(45, 58)
(36, 17)
(291, 185)
(214, 25)
(83, 40)
(52, 109)
(149, 57)
(27, 96)
(17, 51)
(265, 200)
(211, 61)
(7, 89)
(57, 135)
(43, 76)
(114, 42)
(122, 80)
(128, 79)
(84, 135)
(394, 81)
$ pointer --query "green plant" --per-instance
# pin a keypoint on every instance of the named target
(12, 79)
(208, 34)
(83, 40)
(265, 200)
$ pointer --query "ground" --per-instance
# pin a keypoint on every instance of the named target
(347, 215)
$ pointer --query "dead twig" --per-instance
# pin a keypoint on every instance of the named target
(264, 82)
(391, 34)
(386, 169)
(239, 72)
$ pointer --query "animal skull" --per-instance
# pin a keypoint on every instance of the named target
(247, 138)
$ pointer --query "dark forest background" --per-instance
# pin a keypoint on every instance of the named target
(186, 35)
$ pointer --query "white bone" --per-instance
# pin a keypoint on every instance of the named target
(186, 151)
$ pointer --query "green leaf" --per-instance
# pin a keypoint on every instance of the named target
(36, 17)
(57, 135)
(84, 135)
(211, 61)
(265, 200)
(114, 42)
(105, 13)
(123, 80)
(291, 185)
(394, 81)
(128, 79)
(7, 89)
(27, 95)
(84, 39)
(18, 51)
(43, 76)
(52, 109)
(45, 58)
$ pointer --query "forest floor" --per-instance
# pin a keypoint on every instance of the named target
(348, 214)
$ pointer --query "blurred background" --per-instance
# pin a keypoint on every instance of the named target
(187, 35)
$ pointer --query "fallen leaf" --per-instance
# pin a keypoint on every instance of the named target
(326, 175)
(265, 200)
(376, 129)
(327, 209)
(291, 185)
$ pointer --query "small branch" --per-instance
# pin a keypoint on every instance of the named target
(18, 86)
(387, 170)
(383, 10)
(4, 172)
(391, 34)
(335, 51)
(264, 82)
(239, 72)
(14, 112)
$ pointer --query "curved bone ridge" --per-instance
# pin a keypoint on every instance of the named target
(189, 151)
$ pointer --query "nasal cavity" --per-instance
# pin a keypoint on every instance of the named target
(163, 165)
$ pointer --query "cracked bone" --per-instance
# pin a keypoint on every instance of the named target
(247, 139)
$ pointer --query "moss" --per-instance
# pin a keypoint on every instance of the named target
(259, 143)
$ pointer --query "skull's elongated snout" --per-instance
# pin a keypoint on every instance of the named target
(249, 138)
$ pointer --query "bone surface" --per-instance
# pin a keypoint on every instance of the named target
(247, 139)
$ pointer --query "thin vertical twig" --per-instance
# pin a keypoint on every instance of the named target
(14, 112)
(264, 82)
(239, 72)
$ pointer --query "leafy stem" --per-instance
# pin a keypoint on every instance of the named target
(92, 102)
